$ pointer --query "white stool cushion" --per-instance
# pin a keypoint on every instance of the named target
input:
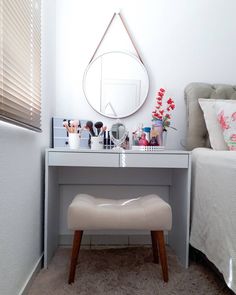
(142, 213)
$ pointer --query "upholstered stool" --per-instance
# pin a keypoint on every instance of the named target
(142, 213)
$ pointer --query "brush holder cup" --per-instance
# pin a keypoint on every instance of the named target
(96, 142)
(74, 141)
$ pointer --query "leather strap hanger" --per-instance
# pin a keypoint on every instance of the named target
(103, 36)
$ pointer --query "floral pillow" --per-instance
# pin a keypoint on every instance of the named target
(213, 126)
(226, 115)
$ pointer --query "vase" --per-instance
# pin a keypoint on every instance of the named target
(157, 130)
(164, 137)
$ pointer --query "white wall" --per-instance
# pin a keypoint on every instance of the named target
(180, 42)
(21, 178)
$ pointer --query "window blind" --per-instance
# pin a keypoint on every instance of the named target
(20, 62)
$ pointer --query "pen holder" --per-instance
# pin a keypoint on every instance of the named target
(96, 143)
(74, 140)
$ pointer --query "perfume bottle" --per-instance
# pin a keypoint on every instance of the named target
(139, 131)
(153, 141)
(143, 141)
(147, 131)
(106, 140)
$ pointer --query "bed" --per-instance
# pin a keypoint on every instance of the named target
(213, 193)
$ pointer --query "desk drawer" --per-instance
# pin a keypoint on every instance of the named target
(83, 159)
(154, 160)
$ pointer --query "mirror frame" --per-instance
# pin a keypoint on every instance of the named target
(146, 94)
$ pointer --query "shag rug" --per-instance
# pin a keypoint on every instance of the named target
(126, 271)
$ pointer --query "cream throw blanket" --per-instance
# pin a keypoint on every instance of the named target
(213, 218)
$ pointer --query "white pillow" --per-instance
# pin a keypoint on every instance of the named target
(213, 127)
(226, 115)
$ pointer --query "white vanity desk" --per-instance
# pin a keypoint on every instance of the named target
(166, 167)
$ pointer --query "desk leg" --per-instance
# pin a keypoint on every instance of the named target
(51, 213)
(180, 202)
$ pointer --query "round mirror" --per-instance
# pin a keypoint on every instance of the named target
(116, 84)
(118, 134)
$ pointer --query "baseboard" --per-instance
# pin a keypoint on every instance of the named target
(109, 240)
(25, 289)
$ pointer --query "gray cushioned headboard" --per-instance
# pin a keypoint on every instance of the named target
(197, 135)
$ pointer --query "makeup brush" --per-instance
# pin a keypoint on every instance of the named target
(103, 130)
(74, 126)
(89, 127)
(65, 124)
(98, 126)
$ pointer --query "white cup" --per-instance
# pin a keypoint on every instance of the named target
(74, 140)
(96, 143)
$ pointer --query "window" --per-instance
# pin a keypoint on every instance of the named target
(20, 62)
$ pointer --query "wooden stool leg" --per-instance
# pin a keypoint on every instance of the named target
(154, 247)
(74, 254)
(162, 252)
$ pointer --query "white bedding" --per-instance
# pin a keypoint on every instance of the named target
(213, 221)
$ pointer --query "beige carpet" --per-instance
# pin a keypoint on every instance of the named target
(128, 271)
